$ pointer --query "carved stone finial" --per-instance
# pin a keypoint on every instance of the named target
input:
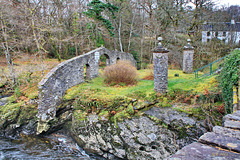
(159, 48)
(159, 41)
(188, 46)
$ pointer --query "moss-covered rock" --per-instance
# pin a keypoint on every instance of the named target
(126, 140)
(9, 113)
(130, 109)
(155, 134)
(16, 117)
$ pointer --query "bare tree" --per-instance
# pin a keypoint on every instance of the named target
(6, 49)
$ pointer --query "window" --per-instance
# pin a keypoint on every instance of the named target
(216, 34)
(208, 33)
(224, 34)
(208, 40)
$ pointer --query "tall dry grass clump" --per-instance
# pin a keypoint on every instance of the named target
(122, 73)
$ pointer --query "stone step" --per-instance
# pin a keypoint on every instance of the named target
(198, 151)
(225, 142)
(236, 113)
(231, 117)
(232, 124)
(227, 132)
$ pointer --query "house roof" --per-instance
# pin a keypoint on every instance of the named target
(221, 26)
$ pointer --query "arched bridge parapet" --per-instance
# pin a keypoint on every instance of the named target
(68, 74)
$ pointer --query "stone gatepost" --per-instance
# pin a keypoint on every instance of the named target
(160, 67)
(188, 58)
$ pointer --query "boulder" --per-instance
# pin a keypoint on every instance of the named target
(142, 137)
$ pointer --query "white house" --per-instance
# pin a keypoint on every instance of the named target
(225, 31)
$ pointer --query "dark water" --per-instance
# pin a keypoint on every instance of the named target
(40, 149)
(55, 147)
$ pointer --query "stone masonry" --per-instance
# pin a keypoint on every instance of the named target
(223, 143)
(70, 73)
(188, 58)
(160, 68)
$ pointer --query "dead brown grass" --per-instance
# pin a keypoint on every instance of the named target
(28, 73)
(123, 72)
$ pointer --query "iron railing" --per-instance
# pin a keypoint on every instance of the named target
(211, 70)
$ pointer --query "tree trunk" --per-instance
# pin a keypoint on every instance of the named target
(142, 40)
(131, 30)
(9, 62)
(38, 45)
(119, 34)
(76, 48)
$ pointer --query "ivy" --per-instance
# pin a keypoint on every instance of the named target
(95, 10)
(229, 78)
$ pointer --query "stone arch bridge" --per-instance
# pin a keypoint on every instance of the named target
(70, 73)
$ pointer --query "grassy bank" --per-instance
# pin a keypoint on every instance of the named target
(196, 97)
(96, 88)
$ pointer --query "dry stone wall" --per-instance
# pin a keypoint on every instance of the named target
(70, 73)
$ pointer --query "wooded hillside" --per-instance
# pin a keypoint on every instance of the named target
(66, 28)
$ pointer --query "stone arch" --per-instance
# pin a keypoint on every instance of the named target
(105, 59)
(66, 75)
(87, 72)
(118, 59)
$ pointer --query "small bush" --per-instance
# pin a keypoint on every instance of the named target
(120, 73)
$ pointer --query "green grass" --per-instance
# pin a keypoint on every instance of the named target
(214, 66)
(189, 82)
(97, 89)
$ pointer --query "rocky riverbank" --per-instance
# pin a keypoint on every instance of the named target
(17, 118)
(222, 143)
(156, 134)
(143, 132)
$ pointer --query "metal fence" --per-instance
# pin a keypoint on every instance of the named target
(211, 70)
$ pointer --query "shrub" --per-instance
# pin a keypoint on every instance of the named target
(120, 73)
(229, 78)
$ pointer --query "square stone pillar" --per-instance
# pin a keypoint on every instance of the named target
(188, 58)
(160, 68)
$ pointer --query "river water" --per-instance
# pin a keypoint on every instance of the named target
(32, 148)
(54, 147)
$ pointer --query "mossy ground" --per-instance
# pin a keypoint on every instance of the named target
(114, 102)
